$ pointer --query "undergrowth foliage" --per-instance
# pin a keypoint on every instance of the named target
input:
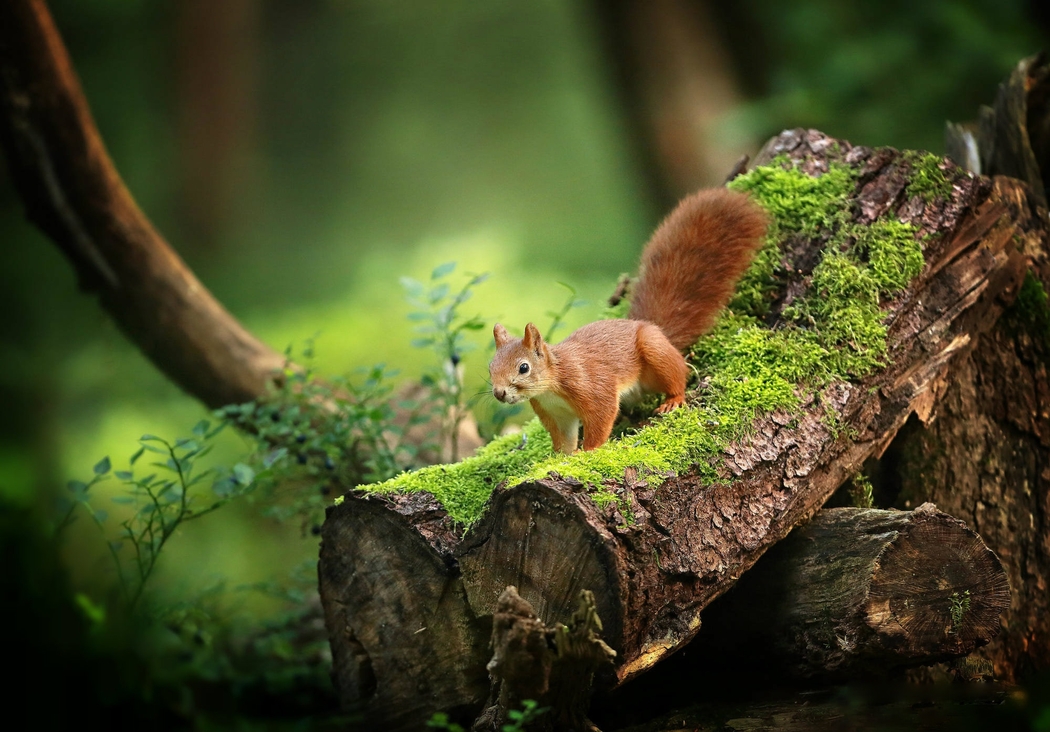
(172, 492)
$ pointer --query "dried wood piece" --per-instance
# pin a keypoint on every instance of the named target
(862, 592)
(552, 667)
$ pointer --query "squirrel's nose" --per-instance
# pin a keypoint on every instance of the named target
(499, 392)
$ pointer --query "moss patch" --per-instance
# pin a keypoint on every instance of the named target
(747, 367)
(463, 487)
(1031, 310)
(926, 178)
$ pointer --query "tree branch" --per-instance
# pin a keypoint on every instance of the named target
(74, 194)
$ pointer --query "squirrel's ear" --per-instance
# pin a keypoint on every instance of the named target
(532, 340)
(500, 334)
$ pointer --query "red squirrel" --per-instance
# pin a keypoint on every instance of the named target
(689, 270)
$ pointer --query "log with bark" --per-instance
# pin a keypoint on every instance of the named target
(667, 544)
(984, 453)
(862, 592)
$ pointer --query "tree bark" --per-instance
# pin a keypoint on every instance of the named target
(984, 453)
(405, 643)
(73, 193)
(550, 667)
(689, 540)
(860, 592)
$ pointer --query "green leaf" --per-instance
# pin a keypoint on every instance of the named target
(150, 438)
(224, 488)
(274, 456)
(124, 475)
(201, 428)
(422, 342)
(93, 612)
(442, 269)
(243, 474)
(102, 466)
(414, 288)
(122, 499)
(137, 455)
(439, 293)
(101, 516)
(77, 487)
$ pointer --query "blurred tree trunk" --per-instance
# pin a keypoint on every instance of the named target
(676, 82)
(217, 68)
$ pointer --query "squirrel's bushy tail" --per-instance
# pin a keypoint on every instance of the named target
(691, 265)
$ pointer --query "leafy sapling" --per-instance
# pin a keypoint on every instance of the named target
(320, 432)
(442, 329)
(170, 495)
(558, 316)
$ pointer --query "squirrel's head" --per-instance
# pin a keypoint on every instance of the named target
(520, 368)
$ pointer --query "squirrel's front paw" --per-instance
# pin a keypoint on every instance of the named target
(670, 403)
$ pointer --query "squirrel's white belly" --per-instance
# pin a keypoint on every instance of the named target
(557, 408)
(631, 392)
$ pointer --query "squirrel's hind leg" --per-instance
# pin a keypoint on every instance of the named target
(664, 370)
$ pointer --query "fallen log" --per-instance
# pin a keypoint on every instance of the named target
(861, 592)
(833, 340)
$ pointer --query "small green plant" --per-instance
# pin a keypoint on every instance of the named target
(861, 493)
(440, 720)
(519, 718)
(558, 316)
(313, 433)
(162, 501)
(442, 329)
(959, 606)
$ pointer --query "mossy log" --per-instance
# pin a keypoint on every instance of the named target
(862, 592)
(664, 519)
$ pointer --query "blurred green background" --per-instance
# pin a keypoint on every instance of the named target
(301, 155)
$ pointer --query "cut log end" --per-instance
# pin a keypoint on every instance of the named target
(396, 611)
(936, 589)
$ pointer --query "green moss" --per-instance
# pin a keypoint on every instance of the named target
(1031, 311)
(463, 487)
(926, 179)
(894, 255)
(798, 203)
(832, 332)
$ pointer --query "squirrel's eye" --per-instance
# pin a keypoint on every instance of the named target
(524, 368)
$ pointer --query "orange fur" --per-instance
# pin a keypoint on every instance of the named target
(689, 270)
